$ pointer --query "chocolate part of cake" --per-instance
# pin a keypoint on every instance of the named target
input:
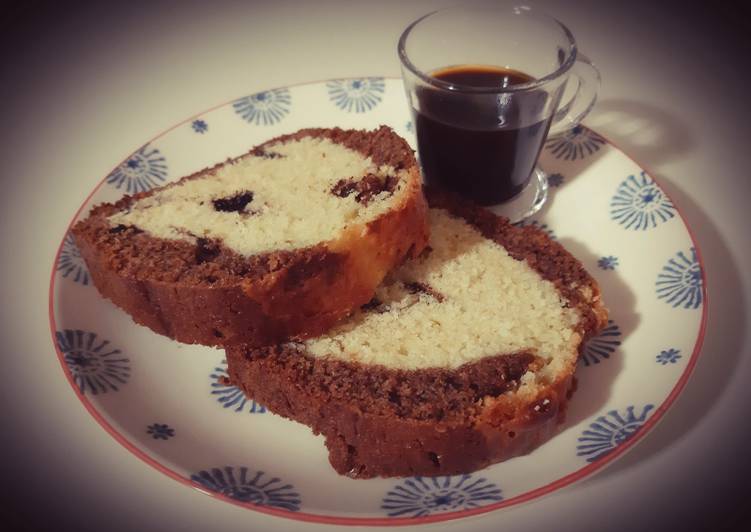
(197, 290)
(384, 422)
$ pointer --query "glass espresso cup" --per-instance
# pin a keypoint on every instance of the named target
(486, 86)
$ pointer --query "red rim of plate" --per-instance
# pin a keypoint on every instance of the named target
(384, 521)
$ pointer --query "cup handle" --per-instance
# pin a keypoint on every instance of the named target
(571, 112)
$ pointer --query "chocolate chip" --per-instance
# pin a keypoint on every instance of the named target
(344, 187)
(394, 397)
(120, 228)
(236, 203)
(206, 250)
(434, 458)
(366, 188)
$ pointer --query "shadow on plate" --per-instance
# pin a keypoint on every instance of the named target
(727, 326)
(635, 128)
(601, 359)
(656, 136)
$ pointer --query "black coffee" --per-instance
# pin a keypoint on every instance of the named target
(482, 146)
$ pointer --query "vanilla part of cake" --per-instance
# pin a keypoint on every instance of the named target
(465, 299)
(291, 195)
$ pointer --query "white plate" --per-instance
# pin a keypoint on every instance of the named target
(166, 402)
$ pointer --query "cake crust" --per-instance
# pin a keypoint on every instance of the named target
(206, 293)
(380, 421)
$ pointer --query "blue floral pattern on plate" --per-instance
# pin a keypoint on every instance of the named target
(253, 487)
(95, 366)
(264, 108)
(418, 496)
(577, 143)
(356, 95)
(199, 126)
(670, 356)
(70, 263)
(602, 346)
(680, 282)
(160, 431)
(230, 396)
(608, 263)
(640, 204)
(610, 431)
(142, 171)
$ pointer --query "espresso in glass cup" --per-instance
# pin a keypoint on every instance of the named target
(486, 86)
